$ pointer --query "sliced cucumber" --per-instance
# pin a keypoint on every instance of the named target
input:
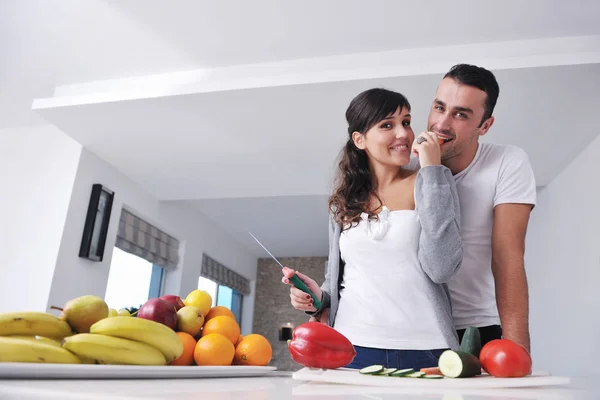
(432, 377)
(372, 370)
(402, 372)
(417, 374)
(388, 371)
(458, 364)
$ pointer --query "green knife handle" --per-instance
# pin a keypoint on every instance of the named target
(297, 282)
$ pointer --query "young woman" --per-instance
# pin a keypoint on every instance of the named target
(394, 241)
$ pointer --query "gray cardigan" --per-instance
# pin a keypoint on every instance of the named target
(440, 247)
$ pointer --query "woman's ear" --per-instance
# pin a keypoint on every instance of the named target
(359, 140)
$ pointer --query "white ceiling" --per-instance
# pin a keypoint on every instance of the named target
(253, 146)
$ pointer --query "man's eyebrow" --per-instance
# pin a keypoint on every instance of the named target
(463, 109)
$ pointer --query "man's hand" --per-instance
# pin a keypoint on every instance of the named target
(508, 268)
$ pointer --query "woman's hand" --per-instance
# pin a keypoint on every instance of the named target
(323, 317)
(428, 150)
(300, 300)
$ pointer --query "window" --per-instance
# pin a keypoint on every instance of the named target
(208, 286)
(131, 280)
(223, 296)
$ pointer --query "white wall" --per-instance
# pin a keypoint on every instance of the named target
(203, 236)
(75, 276)
(38, 166)
(562, 259)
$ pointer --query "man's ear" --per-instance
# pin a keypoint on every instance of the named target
(359, 140)
(485, 127)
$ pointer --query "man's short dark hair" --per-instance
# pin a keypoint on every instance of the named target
(480, 78)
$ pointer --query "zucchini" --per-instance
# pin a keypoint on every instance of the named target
(417, 374)
(458, 364)
(433, 376)
(372, 370)
(402, 372)
(471, 341)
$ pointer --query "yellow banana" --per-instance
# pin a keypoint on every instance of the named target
(142, 330)
(38, 339)
(52, 342)
(112, 350)
(33, 323)
(14, 349)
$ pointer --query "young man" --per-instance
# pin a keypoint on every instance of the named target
(497, 192)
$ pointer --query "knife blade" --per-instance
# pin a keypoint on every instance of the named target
(261, 245)
(295, 280)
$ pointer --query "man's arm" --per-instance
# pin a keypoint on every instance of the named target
(508, 268)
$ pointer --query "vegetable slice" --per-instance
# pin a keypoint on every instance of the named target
(372, 370)
(402, 372)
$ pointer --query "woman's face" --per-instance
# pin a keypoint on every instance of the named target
(389, 141)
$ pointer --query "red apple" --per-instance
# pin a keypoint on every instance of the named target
(173, 299)
(160, 311)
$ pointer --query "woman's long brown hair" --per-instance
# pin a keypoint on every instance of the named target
(354, 185)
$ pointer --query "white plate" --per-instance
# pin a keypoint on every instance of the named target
(93, 371)
(353, 377)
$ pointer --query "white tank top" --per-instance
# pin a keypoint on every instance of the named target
(384, 303)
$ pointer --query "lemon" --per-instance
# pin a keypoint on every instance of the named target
(200, 299)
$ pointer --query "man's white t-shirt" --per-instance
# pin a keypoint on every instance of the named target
(498, 174)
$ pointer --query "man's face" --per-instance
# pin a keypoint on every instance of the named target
(456, 115)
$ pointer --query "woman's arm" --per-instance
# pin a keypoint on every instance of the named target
(326, 286)
(438, 208)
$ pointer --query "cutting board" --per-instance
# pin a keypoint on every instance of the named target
(353, 377)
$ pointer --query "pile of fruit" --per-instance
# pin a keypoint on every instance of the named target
(165, 331)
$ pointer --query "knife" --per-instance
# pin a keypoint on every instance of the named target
(297, 282)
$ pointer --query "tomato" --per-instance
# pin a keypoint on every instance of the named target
(483, 354)
(504, 358)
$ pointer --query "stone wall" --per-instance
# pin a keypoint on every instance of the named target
(272, 307)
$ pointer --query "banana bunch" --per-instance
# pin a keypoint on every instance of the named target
(43, 338)
(113, 350)
(126, 340)
(150, 333)
(34, 337)
(39, 337)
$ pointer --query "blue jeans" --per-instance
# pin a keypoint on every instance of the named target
(401, 359)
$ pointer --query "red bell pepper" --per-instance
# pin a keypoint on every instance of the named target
(316, 345)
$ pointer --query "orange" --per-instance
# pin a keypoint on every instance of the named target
(224, 325)
(214, 349)
(218, 310)
(189, 344)
(254, 349)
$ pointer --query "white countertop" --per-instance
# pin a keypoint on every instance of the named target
(277, 385)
